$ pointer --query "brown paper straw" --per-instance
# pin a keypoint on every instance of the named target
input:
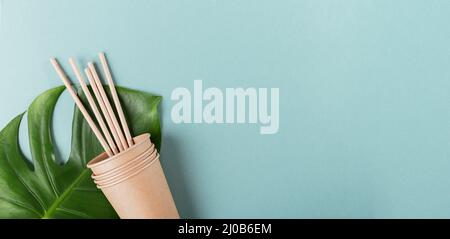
(115, 97)
(108, 105)
(102, 105)
(93, 105)
(80, 106)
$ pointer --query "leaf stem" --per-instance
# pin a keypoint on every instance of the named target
(51, 210)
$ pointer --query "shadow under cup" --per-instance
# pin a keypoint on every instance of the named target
(133, 181)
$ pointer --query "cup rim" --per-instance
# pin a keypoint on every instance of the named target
(128, 176)
(125, 172)
(149, 154)
(97, 161)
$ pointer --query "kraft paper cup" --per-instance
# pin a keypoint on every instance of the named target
(150, 153)
(143, 194)
(133, 181)
(133, 169)
(102, 164)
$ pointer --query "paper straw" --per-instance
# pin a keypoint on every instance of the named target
(101, 103)
(93, 105)
(115, 97)
(80, 106)
(108, 105)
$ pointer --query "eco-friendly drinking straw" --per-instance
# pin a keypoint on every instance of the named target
(115, 97)
(108, 105)
(80, 106)
(102, 105)
(93, 105)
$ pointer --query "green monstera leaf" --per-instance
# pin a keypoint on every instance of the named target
(46, 188)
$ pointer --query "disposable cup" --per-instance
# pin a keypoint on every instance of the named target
(142, 194)
(135, 183)
(102, 164)
(150, 153)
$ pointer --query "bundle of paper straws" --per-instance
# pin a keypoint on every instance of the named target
(118, 137)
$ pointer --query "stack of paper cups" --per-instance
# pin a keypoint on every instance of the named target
(134, 182)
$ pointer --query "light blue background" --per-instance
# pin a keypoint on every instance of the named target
(364, 105)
